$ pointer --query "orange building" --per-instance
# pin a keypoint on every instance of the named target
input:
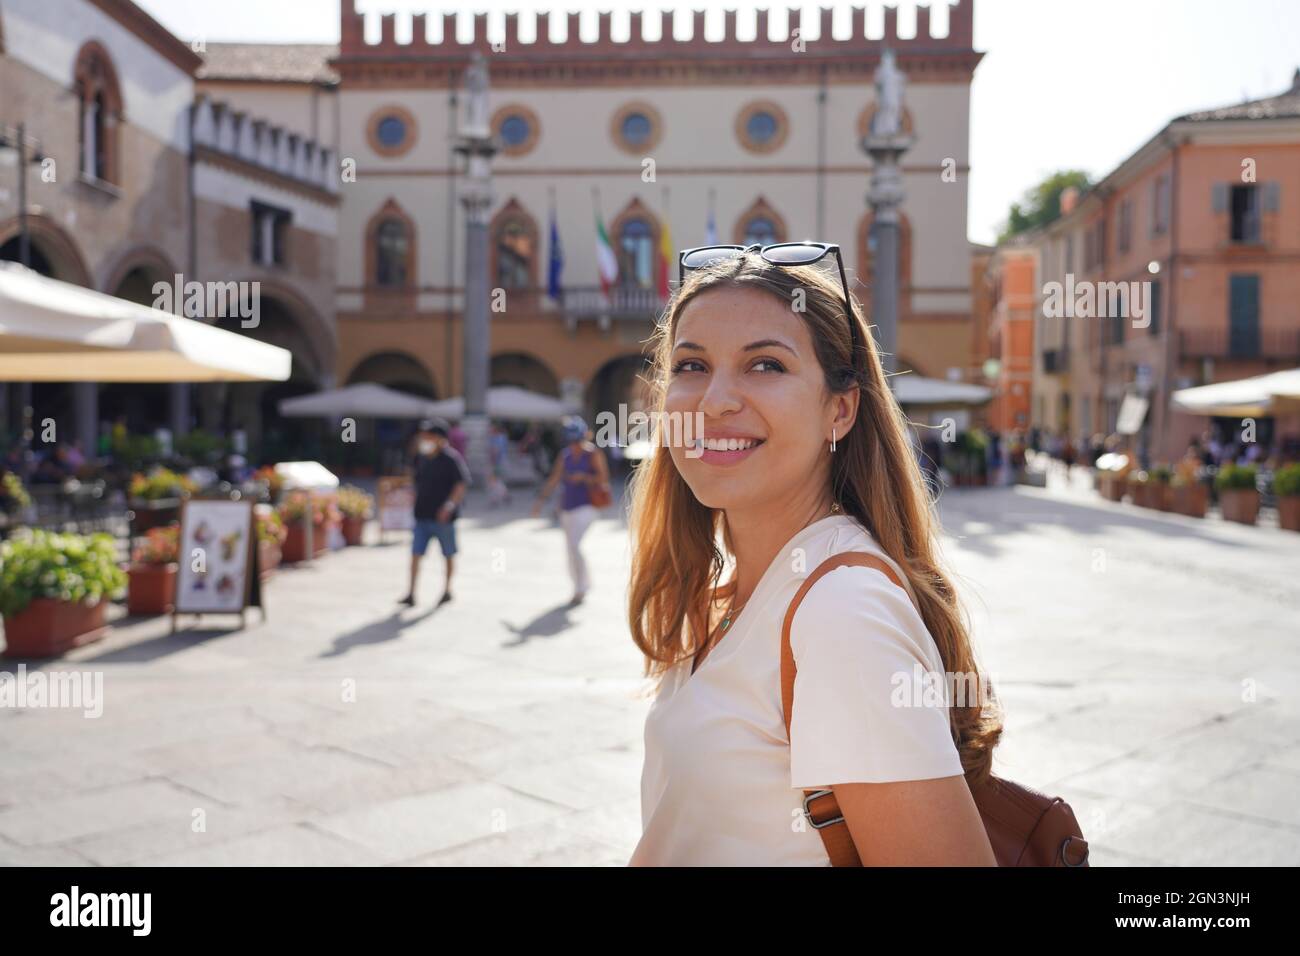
(1010, 281)
(1192, 246)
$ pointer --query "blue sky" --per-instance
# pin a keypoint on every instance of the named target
(1063, 84)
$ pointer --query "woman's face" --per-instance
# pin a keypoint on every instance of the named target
(745, 360)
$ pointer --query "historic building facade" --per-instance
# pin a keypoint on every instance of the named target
(1200, 230)
(760, 135)
(141, 180)
(328, 174)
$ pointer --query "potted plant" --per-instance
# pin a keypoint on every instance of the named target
(1136, 482)
(1159, 492)
(1190, 496)
(273, 480)
(1238, 495)
(53, 590)
(356, 506)
(297, 508)
(156, 497)
(271, 533)
(151, 578)
(1286, 487)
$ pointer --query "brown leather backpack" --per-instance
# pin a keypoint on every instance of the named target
(1025, 827)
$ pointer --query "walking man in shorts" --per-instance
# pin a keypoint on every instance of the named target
(441, 479)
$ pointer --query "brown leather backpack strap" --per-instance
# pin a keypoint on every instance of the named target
(822, 808)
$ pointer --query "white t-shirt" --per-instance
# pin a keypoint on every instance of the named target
(721, 784)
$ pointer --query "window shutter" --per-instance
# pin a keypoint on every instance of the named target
(1219, 197)
(1272, 196)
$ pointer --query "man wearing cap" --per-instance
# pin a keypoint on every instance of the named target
(441, 479)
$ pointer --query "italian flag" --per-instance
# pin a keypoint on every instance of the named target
(606, 261)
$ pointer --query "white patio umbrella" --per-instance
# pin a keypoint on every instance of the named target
(509, 402)
(52, 331)
(363, 400)
(913, 391)
(1276, 392)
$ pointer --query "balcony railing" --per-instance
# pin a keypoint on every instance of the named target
(591, 302)
(1225, 343)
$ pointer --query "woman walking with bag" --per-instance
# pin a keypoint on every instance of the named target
(803, 458)
(585, 473)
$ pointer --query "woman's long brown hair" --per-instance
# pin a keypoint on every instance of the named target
(677, 562)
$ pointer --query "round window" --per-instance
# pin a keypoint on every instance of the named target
(761, 127)
(636, 129)
(391, 131)
(515, 130)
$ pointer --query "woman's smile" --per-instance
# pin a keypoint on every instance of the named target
(719, 450)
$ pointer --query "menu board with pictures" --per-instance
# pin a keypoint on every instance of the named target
(396, 504)
(217, 558)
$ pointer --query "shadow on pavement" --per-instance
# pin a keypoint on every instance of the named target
(158, 647)
(547, 624)
(376, 632)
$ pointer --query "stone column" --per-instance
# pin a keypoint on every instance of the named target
(885, 143)
(475, 143)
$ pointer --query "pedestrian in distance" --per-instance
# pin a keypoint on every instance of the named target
(441, 478)
(584, 472)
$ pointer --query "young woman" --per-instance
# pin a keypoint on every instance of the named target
(579, 465)
(804, 457)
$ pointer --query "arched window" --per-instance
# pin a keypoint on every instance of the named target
(636, 254)
(759, 230)
(514, 246)
(99, 112)
(392, 248)
(514, 256)
(761, 224)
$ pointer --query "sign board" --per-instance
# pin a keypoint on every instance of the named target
(396, 504)
(217, 557)
(1132, 413)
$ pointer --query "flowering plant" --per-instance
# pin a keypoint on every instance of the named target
(67, 567)
(160, 546)
(355, 503)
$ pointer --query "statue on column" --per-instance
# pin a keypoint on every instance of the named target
(887, 121)
(476, 98)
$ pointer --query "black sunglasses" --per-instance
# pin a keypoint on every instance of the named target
(778, 254)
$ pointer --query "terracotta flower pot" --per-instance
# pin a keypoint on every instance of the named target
(48, 627)
(1239, 504)
(150, 589)
(1191, 500)
(320, 537)
(353, 529)
(1162, 496)
(1288, 512)
(295, 544)
(268, 557)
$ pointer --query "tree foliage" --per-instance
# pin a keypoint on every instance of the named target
(1042, 203)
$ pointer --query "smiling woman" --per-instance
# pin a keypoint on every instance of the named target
(804, 458)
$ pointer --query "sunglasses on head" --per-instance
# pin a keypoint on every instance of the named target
(778, 254)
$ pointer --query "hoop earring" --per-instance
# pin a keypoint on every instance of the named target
(832, 438)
